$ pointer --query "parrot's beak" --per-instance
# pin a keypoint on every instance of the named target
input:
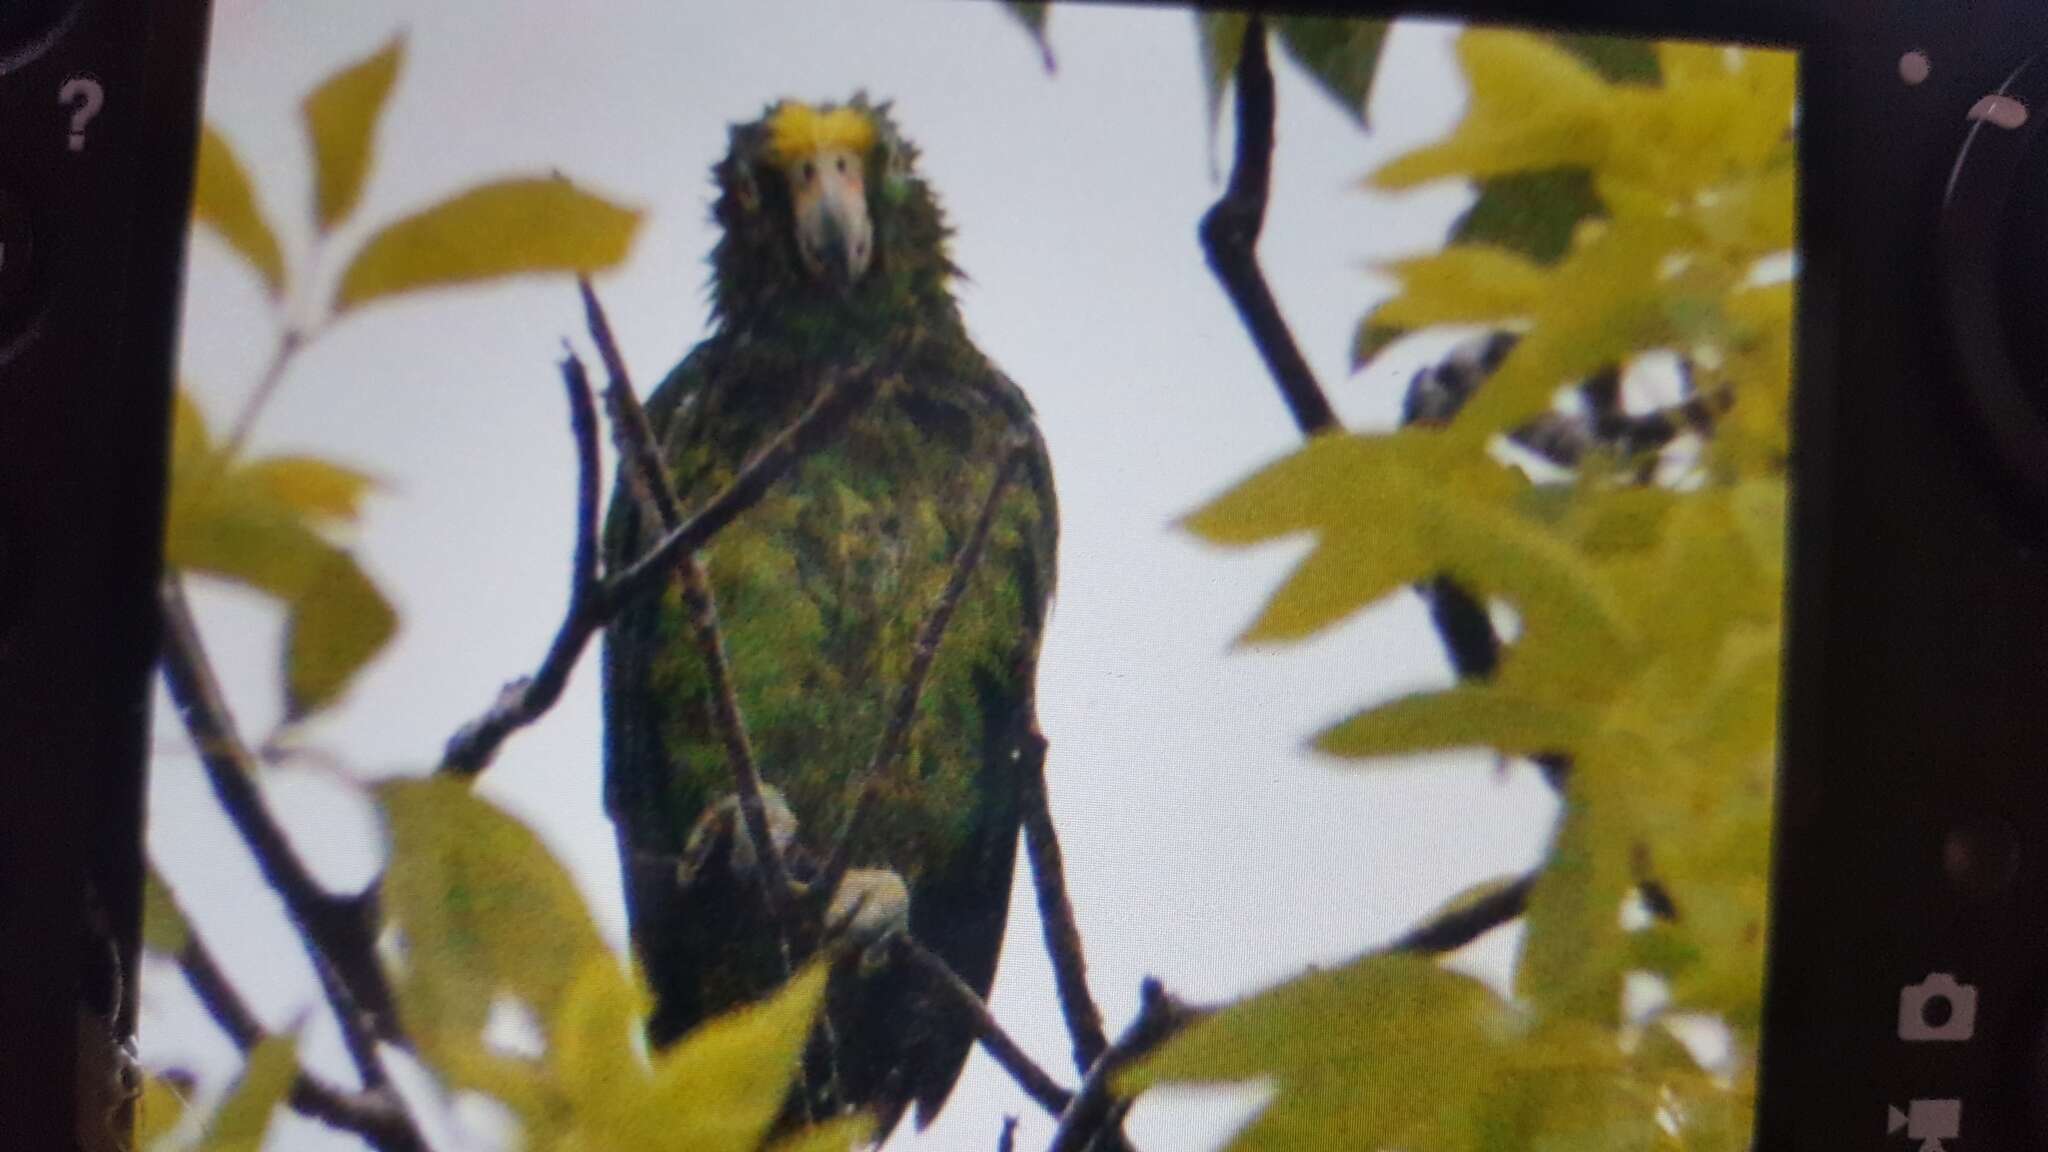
(834, 235)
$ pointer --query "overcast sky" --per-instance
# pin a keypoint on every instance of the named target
(1203, 844)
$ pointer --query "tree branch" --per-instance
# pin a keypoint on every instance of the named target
(527, 699)
(836, 404)
(1056, 911)
(1452, 932)
(1230, 237)
(924, 653)
(1097, 1112)
(375, 1115)
(642, 455)
(1034, 1080)
(336, 931)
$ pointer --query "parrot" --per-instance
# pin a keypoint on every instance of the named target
(832, 253)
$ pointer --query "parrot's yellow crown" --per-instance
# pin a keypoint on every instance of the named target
(797, 130)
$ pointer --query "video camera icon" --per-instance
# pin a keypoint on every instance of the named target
(1928, 1121)
(1937, 1009)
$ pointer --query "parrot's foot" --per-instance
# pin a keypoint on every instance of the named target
(870, 909)
(721, 834)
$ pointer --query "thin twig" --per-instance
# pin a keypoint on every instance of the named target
(924, 653)
(1452, 932)
(1230, 238)
(525, 700)
(1036, 1083)
(289, 342)
(1097, 1112)
(1056, 911)
(374, 1115)
(835, 406)
(1007, 1142)
(336, 931)
(638, 448)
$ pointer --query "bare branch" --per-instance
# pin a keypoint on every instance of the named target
(1097, 1113)
(337, 930)
(525, 700)
(1007, 1141)
(835, 406)
(375, 1115)
(637, 447)
(1036, 1083)
(1056, 911)
(1452, 932)
(924, 653)
(1230, 238)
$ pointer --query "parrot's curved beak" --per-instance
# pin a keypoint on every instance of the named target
(834, 235)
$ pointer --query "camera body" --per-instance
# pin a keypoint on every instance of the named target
(1907, 1001)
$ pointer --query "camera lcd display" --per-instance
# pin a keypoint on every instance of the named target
(791, 576)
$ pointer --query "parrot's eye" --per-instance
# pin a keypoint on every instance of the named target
(810, 171)
(842, 165)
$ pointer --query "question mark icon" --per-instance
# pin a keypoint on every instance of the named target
(84, 96)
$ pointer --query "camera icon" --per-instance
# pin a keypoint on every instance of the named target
(1938, 1008)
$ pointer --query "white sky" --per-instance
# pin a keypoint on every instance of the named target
(1203, 844)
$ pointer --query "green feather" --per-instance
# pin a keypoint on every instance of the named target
(821, 589)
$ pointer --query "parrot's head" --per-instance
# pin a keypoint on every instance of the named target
(821, 204)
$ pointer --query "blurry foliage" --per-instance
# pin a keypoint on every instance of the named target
(482, 914)
(1625, 206)
(270, 524)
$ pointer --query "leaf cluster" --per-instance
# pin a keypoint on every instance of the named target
(1627, 206)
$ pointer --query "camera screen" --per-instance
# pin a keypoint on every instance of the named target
(797, 576)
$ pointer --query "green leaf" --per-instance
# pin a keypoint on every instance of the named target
(243, 1118)
(1341, 53)
(224, 200)
(1033, 17)
(339, 622)
(1469, 715)
(1533, 213)
(1387, 1052)
(341, 121)
(509, 228)
(484, 910)
(164, 928)
(319, 489)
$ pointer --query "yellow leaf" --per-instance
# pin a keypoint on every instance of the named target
(339, 622)
(156, 1113)
(1469, 715)
(242, 1119)
(1534, 106)
(164, 928)
(318, 488)
(224, 200)
(1463, 284)
(1573, 952)
(341, 121)
(730, 1077)
(1387, 1052)
(484, 910)
(510, 228)
(591, 1046)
